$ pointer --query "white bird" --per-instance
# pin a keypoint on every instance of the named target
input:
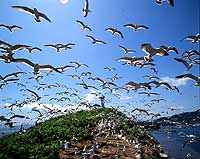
(187, 65)
(135, 27)
(115, 31)
(83, 26)
(10, 27)
(191, 76)
(126, 51)
(94, 41)
(36, 66)
(86, 9)
(193, 38)
(33, 12)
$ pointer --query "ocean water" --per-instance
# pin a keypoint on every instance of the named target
(172, 139)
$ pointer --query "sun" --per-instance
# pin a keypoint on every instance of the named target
(64, 1)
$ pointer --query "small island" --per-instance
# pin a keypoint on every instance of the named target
(88, 134)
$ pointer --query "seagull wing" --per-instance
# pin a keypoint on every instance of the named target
(183, 61)
(80, 23)
(189, 76)
(143, 27)
(44, 16)
(47, 67)
(91, 37)
(120, 33)
(15, 26)
(25, 61)
(24, 9)
(171, 2)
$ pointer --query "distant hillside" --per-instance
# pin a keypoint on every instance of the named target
(182, 118)
(187, 118)
(99, 133)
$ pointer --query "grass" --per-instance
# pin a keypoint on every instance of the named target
(42, 141)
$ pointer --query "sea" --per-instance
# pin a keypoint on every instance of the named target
(172, 139)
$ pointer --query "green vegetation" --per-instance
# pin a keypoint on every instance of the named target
(42, 140)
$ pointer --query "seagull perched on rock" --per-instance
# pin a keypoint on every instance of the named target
(33, 12)
(135, 27)
(10, 27)
(36, 66)
(115, 31)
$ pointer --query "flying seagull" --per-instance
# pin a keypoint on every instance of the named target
(171, 2)
(94, 41)
(86, 9)
(135, 27)
(83, 26)
(193, 38)
(10, 27)
(33, 11)
(126, 51)
(191, 76)
(188, 66)
(30, 49)
(115, 31)
(36, 66)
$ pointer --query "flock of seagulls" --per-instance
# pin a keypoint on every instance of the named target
(86, 79)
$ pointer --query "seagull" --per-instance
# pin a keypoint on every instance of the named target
(10, 49)
(109, 68)
(115, 31)
(171, 2)
(56, 46)
(36, 66)
(141, 64)
(104, 83)
(83, 26)
(188, 66)
(154, 70)
(126, 51)
(151, 77)
(30, 49)
(94, 41)
(197, 79)
(12, 74)
(35, 94)
(148, 93)
(169, 48)
(157, 100)
(136, 86)
(78, 65)
(189, 53)
(10, 27)
(140, 110)
(161, 51)
(86, 9)
(86, 86)
(158, 84)
(135, 27)
(193, 38)
(33, 11)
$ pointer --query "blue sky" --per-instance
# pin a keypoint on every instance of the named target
(167, 26)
